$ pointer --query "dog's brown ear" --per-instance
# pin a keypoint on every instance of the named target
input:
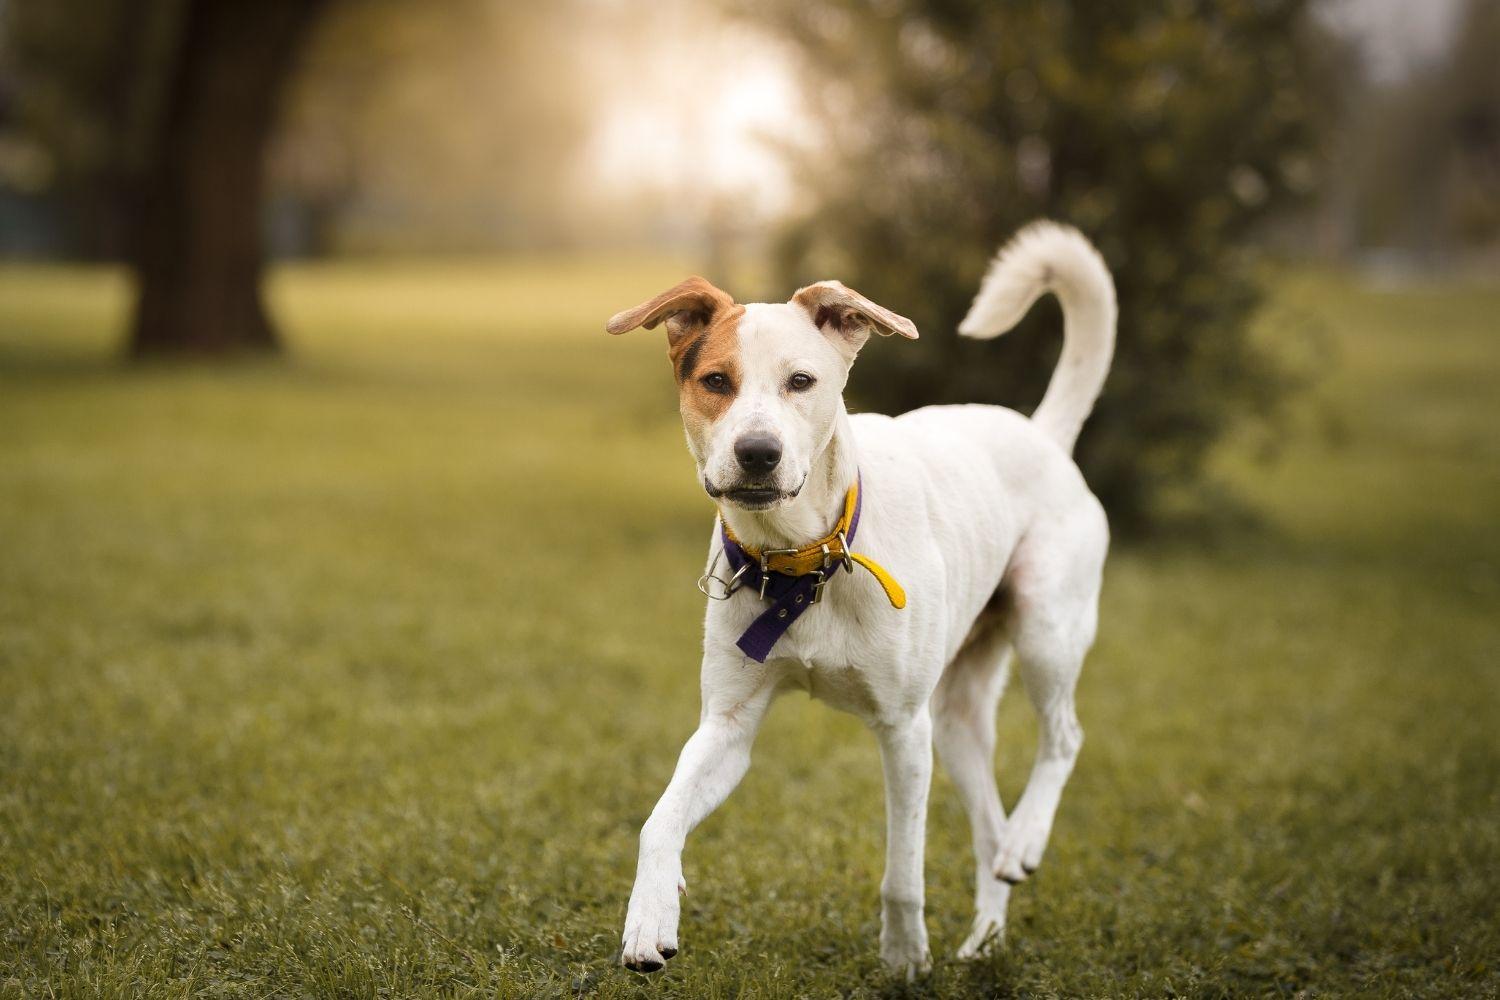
(686, 307)
(848, 317)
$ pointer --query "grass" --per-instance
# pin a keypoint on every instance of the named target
(356, 675)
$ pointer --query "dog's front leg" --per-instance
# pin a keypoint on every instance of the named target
(906, 752)
(713, 761)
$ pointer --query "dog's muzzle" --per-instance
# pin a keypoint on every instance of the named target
(752, 495)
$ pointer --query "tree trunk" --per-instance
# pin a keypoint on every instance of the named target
(197, 241)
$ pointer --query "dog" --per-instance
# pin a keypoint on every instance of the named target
(890, 566)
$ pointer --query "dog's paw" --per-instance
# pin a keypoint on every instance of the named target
(1021, 845)
(905, 954)
(650, 936)
(907, 964)
(647, 945)
(986, 934)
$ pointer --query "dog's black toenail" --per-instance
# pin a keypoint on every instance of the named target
(1029, 869)
(668, 952)
(1011, 881)
(648, 965)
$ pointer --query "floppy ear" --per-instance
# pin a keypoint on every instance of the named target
(847, 317)
(686, 307)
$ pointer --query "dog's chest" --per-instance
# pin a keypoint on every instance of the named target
(846, 668)
(846, 651)
(841, 686)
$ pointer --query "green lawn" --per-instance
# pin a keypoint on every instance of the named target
(356, 675)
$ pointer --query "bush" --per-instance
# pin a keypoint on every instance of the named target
(1164, 131)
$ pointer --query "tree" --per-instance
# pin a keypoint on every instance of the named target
(177, 131)
(198, 247)
(1166, 132)
(157, 115)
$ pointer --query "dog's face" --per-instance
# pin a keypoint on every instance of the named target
(759, 386)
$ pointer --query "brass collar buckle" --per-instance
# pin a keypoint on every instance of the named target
(765, 566)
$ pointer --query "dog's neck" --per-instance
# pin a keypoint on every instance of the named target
(813, 512)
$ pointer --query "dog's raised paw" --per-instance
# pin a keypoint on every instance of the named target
(650, 936)
(640, 955)
(646, 959)
(643, 958)
(1021, 848)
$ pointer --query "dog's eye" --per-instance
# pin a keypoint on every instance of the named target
(800, 382)
(715, 382)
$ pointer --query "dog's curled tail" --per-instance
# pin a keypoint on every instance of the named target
(1048, 257)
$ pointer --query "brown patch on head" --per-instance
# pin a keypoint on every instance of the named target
(714, 351)
(702, 339)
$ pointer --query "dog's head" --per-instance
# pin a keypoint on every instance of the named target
(760, 386)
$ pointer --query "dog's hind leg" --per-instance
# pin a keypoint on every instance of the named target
(963, 708)
(1054, 615)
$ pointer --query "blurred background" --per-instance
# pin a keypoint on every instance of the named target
(330, 660)
(892, 144)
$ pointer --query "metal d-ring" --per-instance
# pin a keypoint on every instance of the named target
(730, 585)
(848, 556)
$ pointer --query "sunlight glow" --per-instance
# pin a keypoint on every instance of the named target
(702, 127)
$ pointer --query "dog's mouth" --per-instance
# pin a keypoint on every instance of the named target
(752, 496)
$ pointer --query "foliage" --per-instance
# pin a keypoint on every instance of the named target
(80, 90)
(356, 676)
(445, 125)
(1423, 159)
(1165, 132)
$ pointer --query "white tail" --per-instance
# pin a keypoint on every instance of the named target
(1047, 257)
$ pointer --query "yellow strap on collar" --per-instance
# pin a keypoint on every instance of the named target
(815, 555)
(893, 591)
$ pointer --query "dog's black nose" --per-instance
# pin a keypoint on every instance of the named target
(757, 452)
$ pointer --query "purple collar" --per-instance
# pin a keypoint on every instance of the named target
(790, 595)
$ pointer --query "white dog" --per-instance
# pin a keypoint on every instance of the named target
(967, 532)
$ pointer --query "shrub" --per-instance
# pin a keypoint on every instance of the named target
(1165, 131)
